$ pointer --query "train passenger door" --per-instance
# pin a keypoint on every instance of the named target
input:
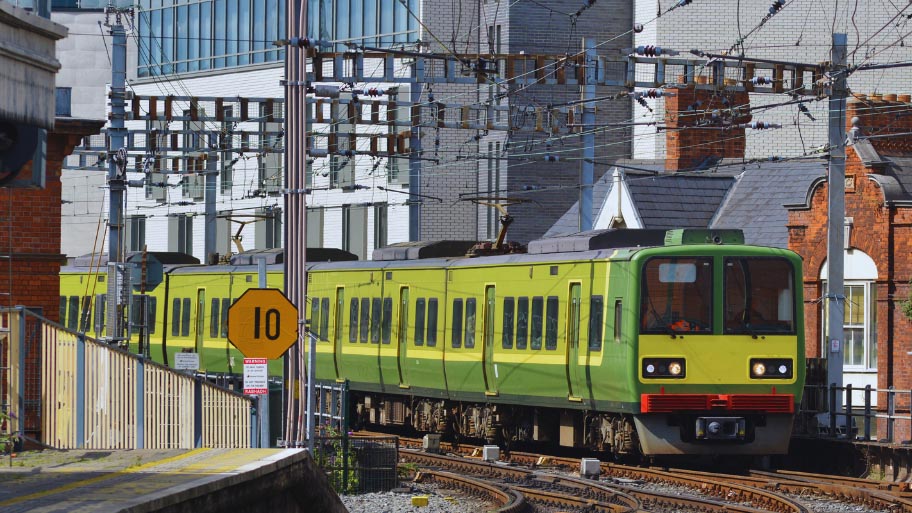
(490, 371)
(574, 375)
(402, 333)
(337, 331)
(200, 324)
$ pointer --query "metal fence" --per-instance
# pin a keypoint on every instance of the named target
(881, 415)
(358, 465)
(69, 391)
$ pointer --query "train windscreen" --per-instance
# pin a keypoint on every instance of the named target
(759, 295)
(677, 295)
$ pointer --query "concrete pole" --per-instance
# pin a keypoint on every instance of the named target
(835, 293)
(210, 192)
(588, 165)
(414, 167)
(116, 173)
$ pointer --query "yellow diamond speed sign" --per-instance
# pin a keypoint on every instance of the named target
(262, 323)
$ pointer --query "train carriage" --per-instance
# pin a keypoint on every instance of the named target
(686, 342)
(627, 341)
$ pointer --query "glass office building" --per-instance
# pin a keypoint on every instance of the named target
(179, 36)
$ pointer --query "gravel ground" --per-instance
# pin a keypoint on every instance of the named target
(440, 500)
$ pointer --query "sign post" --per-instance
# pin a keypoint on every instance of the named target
(262, 324)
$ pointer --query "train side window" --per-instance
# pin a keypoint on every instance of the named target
(470, 323)
(73, 315)
(214, 312)
(175, 317)
(376, 319)
(596, 314)
(136, 316)
(508, 309)
(419, 321)
(353, 320)
(100, 306)
(457, 323)
(553, 306)
(432, 323)
(365, 320)
(185, 318)
(63, 310)
(387, 326)
(538, 308)
(226, 304)
(324, 318)
(522, 322)
(618, 318)
(315, 316)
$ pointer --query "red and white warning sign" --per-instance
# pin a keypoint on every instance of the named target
(255, 376)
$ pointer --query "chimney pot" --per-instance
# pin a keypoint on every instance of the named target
(905, 98)
(889, 97)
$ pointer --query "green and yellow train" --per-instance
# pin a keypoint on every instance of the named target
(628, 341)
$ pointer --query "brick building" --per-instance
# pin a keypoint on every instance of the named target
(706, 182)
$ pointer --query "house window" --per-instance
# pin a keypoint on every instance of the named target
(859, 312)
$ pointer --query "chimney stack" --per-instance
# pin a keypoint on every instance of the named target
(881, 115)
(699, 125)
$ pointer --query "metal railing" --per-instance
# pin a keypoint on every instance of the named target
(358, 465)
(881, 415)
(97, 396)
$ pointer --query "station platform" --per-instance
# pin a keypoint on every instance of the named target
(140, 481)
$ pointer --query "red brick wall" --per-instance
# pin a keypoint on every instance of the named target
(692, 135)
(30, 235)
(884, 233)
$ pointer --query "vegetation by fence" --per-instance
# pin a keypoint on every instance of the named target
(358, 465)
(97, 396)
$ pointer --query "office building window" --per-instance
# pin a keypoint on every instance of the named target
(315, 227)
(269, 228)
(381, 224)
(354, 230)
(179, 36)
(135, 237)
(63, 105)
(180, 234)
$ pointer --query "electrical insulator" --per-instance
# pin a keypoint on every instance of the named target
(761, 81)
(552, 158)
(651, 93)
(682, 3)
(761, 125)
(638, 27)
(373, 91)
(649, 50)
(642, 101)
(306, 42)
(777, 6)
(346, 153)
(695, 105)
(430, 96)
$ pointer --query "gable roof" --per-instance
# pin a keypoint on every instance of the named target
(750, 197)
(756, 203)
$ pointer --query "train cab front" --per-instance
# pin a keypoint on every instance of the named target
(720, 354)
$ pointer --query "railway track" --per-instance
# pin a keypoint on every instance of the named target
(782, 491)
(558, 491)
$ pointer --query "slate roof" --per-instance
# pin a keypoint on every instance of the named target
(756, 202)
(750, 197)
(896, 180)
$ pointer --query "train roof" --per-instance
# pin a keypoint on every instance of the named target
(167, 258)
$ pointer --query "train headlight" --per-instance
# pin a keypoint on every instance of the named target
(771, 368)
(663, 368)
